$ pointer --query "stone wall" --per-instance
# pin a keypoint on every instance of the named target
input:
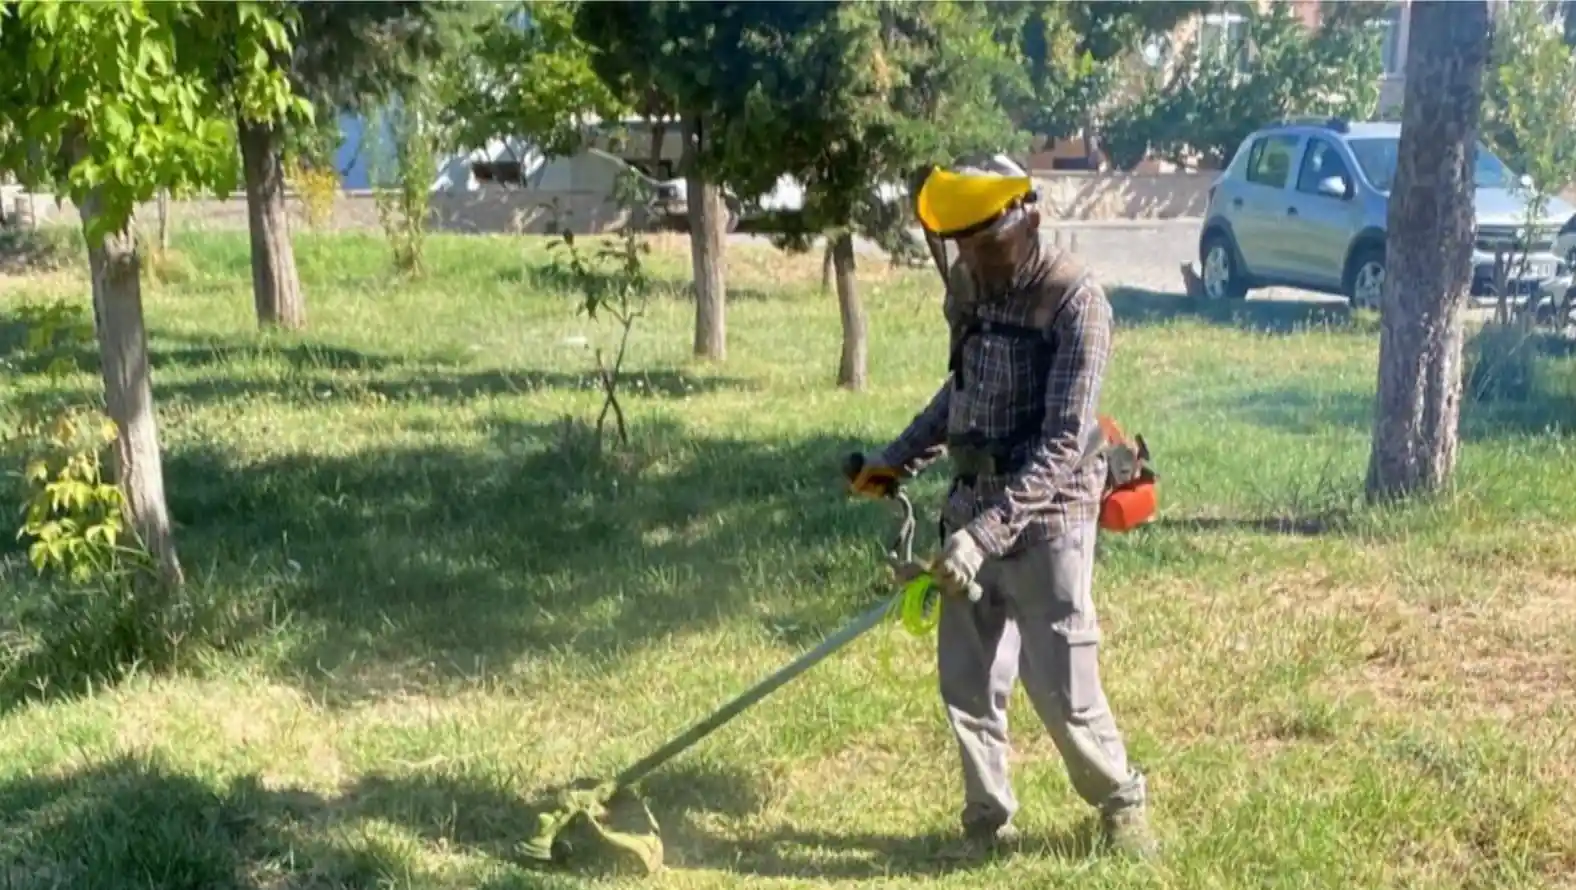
(493, 210)
(1105, 196)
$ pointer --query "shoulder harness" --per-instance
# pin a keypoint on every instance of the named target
(1129, 498)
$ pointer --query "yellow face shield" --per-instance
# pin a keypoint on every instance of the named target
(953, 205)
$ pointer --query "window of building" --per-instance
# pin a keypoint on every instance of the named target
(506, 172)
(1391, 52)
(1221, 36)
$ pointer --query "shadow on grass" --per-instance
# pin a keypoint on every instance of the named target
(139, 816)
(1140, 306)
(1301, 410)
(489, 816)
(136, 819)
(15, 356)
(317, 389)
(863, 856)
(1306, 412)
(312, 369)
(92, 828)
(63, 641)
(560, 280)
(430, 565)
(1515, 383)
(168, 352)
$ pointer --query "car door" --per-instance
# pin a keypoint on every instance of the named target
(1259, 205)
(1319, 225)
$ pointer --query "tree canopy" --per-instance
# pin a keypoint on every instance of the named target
(850, 99)
(1529, 101)
(351, 56)
(1070, 55)
(1217, 93)
(525, 74)
(125, 99)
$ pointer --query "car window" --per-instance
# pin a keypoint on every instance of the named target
(1271, 161)
(1254, 152)
(1320, 162)
(1378, 155)
(1239, 158)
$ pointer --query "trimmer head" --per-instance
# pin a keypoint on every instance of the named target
(596, 827)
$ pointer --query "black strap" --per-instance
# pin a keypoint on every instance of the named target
(976, 326)
(1010, 447)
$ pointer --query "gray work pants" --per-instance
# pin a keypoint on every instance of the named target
(1036, 620)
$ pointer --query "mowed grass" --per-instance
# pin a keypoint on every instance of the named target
(431, 600)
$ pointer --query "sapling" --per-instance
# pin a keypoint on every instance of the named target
(611, 281)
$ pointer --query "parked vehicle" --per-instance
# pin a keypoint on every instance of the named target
(1303, 204)
(1565, 243)
(776, 211)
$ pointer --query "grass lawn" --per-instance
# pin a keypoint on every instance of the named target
(427, 600)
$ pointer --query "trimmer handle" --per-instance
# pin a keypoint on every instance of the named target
(854, 462)
(900, 556)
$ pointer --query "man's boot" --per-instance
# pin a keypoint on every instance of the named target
(1127, 833)
(981, 841)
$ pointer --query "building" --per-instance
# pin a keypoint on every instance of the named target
(1392, 82)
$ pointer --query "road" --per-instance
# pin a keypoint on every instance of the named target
(1144, 254)
(1132, 253)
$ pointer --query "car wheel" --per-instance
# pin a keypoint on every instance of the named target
(1222, 279)
(1365, 282)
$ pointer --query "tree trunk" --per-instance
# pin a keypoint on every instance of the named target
(826, 266)
(659, 132)
(1428, 261)
(128, 391)
(706, 214)
(851, 369)
(164, 220)
(276, 288)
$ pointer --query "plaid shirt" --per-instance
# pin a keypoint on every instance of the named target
(1049, 494)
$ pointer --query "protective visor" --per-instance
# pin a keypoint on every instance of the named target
(956, 205)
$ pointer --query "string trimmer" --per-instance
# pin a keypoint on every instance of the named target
(605, 813)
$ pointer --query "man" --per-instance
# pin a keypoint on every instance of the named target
(1030, 338)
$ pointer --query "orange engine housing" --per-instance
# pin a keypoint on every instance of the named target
(1129, 506)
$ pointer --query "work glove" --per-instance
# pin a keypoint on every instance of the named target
(959, 563)
(868, 477)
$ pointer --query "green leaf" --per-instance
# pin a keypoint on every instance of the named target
(38, 556)
(152, 105)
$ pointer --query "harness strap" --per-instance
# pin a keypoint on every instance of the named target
(1066, 276)
(976, 326)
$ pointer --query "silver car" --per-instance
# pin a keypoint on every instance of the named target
(1303, 204)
